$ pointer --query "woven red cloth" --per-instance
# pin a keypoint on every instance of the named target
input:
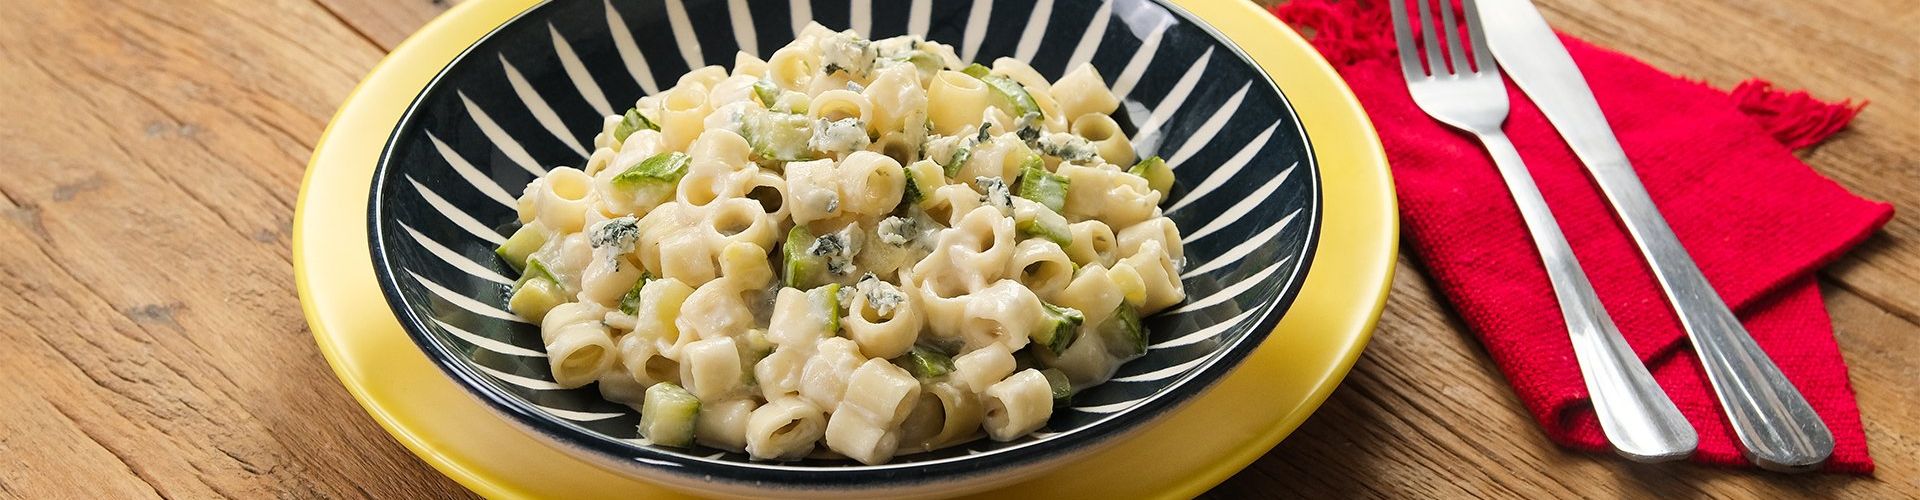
(1718, 164)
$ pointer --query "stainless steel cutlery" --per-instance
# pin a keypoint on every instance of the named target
(1777, 428)
(1640, 421)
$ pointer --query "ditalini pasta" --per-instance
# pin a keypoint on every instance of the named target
(862, 246)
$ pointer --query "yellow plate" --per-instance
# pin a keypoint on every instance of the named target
(1203, 443)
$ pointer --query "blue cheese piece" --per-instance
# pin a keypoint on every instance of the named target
(882, 296)
(846, 52)
(898, 231)
(838, 248)
(616, 234)
(839, 137)
(1067, 147)
(994, 192)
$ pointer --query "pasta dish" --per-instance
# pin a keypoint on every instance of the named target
(856, 247)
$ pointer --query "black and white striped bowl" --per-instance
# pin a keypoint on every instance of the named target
(531, 94)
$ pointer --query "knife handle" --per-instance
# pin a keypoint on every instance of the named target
(1640, 421)
(1777, 428)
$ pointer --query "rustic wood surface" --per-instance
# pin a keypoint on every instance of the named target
(153, 150)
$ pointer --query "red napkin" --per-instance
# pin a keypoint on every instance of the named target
(1756, 219)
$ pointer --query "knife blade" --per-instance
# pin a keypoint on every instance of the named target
(1776, 427)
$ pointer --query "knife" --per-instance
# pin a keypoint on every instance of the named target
(1778, 430)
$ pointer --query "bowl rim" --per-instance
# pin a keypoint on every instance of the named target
(602, 449)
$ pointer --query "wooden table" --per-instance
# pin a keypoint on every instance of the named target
(152, 152)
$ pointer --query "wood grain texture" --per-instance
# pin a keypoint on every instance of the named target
(153, 151)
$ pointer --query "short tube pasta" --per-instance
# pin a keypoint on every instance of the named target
(955, 101)
(851, 244)
(882, 320)
(562, 201)
(1083, 91)
(1018, 405)
(785, 429)
(723, 424)
(871, 184)
(1107, 139)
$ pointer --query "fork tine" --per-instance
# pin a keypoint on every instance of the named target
(1436, 62)
(1403, 35)
(1449, 31)
(1477, 37)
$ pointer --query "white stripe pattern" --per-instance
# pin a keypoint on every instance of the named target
(454, 259)
(1219, 176)
(1237, 211)
(1036, 30)
(473, 176)
(542, 113)
(489, 344)
(917, 18)
(1234, 254)
(455, 215)
(1204, 333)
(1232, 291)
(1090, 40)
(500, 139)
(1204, 135)
(464, 302)
(526, 382)
(1162, 373)
(578, 416)
(630, 52)
(683, 34)
(860, 15)
(1123, 84)
(577, 72)
(1170, 104)
(802, 14)
(976, 29)
(743, 27)
(1110, 408)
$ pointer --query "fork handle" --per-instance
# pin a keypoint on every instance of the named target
(1640, 421)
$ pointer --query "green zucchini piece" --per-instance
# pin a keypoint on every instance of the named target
(926, 363)
(825, 300)
(1062, 388)
(532, 298)
(661, 169)
(1059, 326)
(1010, 95)
(778, 137)
(1123, 333)
(766, 92)
(535, 270)
(526, 240)
(632, 122)
(802, 269)
(667, 415)
(1033, 220)
(1039, 185)
(630, 303)
(1159, 176)
(952, 166)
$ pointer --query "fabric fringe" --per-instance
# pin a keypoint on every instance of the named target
(1795, 118)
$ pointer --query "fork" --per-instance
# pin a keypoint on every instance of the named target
(1640, 422)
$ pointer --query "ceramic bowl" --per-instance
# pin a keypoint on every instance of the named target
(531, 95)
